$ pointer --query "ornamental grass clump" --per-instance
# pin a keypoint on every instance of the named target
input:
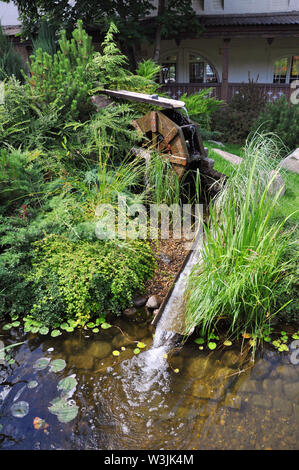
(242, 258)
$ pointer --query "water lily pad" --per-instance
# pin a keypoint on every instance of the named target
(141, 345)
(267, 339)
(199, 341)
(16, 324)
(123, 348)
(32, 384)
(69, 329)
(95, 330)
(100, 320)
(34, 329)
(91, 324)
(136, 351)
(55, 333)
(41, 363)
(67, 384)
(7, 326)
(57, 365)
(44, 330)
(64, 410)
(212, 345)
(63, 326)
(176, 371)
(105, 325)
(115, 353)
(20, 409)
(227, 342)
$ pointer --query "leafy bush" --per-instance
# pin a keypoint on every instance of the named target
(78, 280)
(281, 118)
(234, 121)
(11, 63)
(200, 106)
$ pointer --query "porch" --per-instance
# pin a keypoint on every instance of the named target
(273, 90)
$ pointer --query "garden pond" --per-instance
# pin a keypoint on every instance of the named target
(86, 390)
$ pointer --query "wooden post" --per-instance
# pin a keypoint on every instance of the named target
(225, 66)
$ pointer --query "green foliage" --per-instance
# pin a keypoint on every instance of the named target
(200, 106)
(235, 120)
(164, 186)
(11, 62)
(63, 78)
(282, 118)
(83, 278)
(45, 39)
(243, 256)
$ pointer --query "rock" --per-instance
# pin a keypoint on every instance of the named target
(291, 391)
(165, 258)
(261, 400)
(288, 373)
(273, 387)
(140, 301)
(277, 184)
(291, 162)
(130, 312)
(261, 369)
(100, 349)
(233, 401)
(283, 406)
(153, 302)
(248, 386)
(230, 157)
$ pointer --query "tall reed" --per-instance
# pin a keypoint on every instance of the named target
(242, 265)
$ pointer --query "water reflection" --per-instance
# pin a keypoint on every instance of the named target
(216, 401)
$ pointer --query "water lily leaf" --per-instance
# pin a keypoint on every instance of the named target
(95, 330)
(136, 351)
(64, 325)
(141, 345)
(227, 342)
(200, 347)
(64, 410)
(123, 348)
(176, 371)
(246, 335)
(44, 330)
(20, 409)
(91, 324)
(67, 384)
(115, 353)
(41, 363)
(283, 333)
(165, 356)
(267, 339)
(69, 329)
(14, 317)
(34, 329)
(32, 384)
(199, 340)
(55, 333)
(212, 345)
(39, 423)
(72, 323)
(105, 326)
(27, 328)
(11, 362)
(16, 323)
(7, 326)
(100, 320)
(295, 336)
(57, 365)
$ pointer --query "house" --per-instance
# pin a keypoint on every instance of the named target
(240, 39)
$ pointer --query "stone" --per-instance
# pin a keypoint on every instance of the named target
(153, 302)
(130, 312)
(100, 349)
(230, 157)
(140, 301)
(273, 387)
(233, 401)
(291, 162)
(277, 184)
(291, 391)
(262, 401)
(165, 258)
(282, 406)
(288, 373)
(248, 386)
(261, 369)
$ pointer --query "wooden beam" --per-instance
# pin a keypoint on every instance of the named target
(225, 68)
(143, 98)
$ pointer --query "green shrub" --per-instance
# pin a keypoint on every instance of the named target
(200, 106)
(281, 118)
(234, 121)
(80, 279)
(11, 63)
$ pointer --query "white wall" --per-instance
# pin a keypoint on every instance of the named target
(8, 14)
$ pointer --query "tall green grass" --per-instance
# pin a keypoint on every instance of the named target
(242, 259)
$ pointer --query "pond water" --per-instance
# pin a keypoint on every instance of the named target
(180, 398)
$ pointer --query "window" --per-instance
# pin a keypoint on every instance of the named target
(286, 70)
(200, 71)
(169, 70)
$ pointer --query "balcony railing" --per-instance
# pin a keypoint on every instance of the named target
(273, 90)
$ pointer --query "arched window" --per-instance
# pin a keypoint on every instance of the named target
(169, 69)
(286, 70)
(200, 71)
